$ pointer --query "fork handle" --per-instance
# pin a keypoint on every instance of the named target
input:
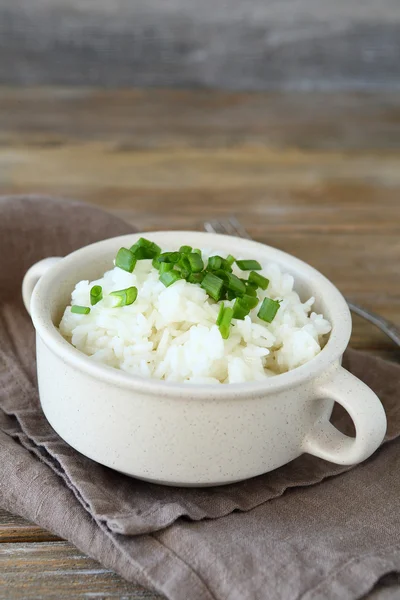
(383, 324)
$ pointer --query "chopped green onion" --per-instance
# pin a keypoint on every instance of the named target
(259, 280)
(196, 277)
(230, 259)
(164, 267)
(145, 249)
(195, 262)
(170, 257)
(124, 297)
(222, 275)
(96, 294)
(240, 310)
(230, 295)
(185, 249)
(268, 310)
(80, 310)
(249, 301)
(125, 260)
(214, 263)
(251, 290)
(236, 285)
(220, 313)
(197, 251)
(249, 265)
(156, 263)
(225, 324)
(169, 277)
(213, 286)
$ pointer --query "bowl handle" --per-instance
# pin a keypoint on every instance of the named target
(367, 413)
(33, 275)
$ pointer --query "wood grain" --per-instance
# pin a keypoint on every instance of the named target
(57, 570)
(316, 175)
(296, 44)
(14, 529)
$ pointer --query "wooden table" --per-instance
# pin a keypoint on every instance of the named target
(316, 175)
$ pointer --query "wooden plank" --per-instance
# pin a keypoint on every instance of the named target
(15, 529)
(300, 44)
(58, 570)
(147, 119)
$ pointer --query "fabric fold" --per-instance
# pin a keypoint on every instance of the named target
(283, 534)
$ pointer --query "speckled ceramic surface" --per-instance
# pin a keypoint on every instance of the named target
(180, 434)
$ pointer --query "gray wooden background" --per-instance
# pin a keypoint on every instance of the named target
(233, 44)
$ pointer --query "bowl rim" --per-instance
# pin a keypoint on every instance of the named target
(330, 355)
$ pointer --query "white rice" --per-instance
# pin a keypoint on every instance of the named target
(170, 333)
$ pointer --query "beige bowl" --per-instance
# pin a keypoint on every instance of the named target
(197, 435)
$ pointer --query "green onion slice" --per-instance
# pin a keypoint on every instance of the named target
(225, 322)
(240, 310)
(213, 285)
(195, 262)
(125, 260)
(196, 277)
(220, 313)
(230, 259)
(197, 251)
(80, 310)
(145, 249)
(124, 297)
(249, 265)
(214, 263)
(251, 290)
(169, 277)
(170, 257)
(96, 294)
(185, 249)
(268, 310)
(236, 285)
(259, 280)
(164, 267)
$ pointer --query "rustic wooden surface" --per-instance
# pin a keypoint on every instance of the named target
(251, 44)
(315, 175)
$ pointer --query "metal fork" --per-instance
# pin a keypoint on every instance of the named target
(232, 226)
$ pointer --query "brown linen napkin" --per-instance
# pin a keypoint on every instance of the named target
(116, 510)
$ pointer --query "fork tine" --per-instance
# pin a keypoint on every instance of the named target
(229, 226)
(239, 228)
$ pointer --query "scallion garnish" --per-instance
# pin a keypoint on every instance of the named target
(196, 277)
(197, 251)
(220, 313)
(240, 310)
(171, 257)
(184, 265)
(145, 249)
(230, 259)
(169, 277)
(96, 294)
(80, 310)
(164, 267)
(156, 263)
(251, 290)
(225, 322)
(125, 260)
(259, 280)
(213, 286)
(268, 310)
(236, 285)
(195, 262)
(249, 301)
(214, 263)
(124, 297)
(249, 265)
(185, 249)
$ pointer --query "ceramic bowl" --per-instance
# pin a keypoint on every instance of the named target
(197, 435)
